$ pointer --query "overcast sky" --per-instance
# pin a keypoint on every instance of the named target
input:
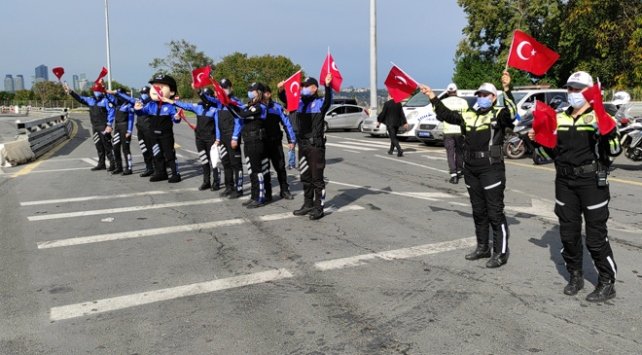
(418, 35)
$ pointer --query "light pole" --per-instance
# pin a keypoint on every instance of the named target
(373, 58)
(108, 53)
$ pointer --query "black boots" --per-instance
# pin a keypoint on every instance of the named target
(575, 283)
(158, 177)
(99, 167)
(305, 209)
(316, 213)
(286, 194)
(482, 251)
(497, 260)
(118, 169)
(605, 290)
(204, 186)
(149, 170)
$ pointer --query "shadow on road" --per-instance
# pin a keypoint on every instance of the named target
(350, 196)
(628, 167)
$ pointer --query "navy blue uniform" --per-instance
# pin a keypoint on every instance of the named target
(142, 134)
(123, 127)
(101, 115)
(273, 142)
(161, 122)
(228, 129)
(258, 165)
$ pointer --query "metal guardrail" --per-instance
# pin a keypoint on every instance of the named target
(45, 133)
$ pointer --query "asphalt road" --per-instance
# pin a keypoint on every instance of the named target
(101, 264)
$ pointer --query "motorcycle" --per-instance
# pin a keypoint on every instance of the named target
(631, 140)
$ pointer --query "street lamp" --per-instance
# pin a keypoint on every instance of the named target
(373, 58)
(108, 54)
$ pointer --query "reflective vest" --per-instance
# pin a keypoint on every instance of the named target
(576, 139)
(454, 103)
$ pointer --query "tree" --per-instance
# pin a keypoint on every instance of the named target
(6, 97)
(183, 57)
(47, 91)
(24, 95)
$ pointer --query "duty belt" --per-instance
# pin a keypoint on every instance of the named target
(577, 170)
(480, 154)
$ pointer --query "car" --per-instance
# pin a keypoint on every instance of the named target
(369, 126)
(418, 110)
(345, 116)
(525, 99)
(431, 131)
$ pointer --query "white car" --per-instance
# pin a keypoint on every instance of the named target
(369, 126)
(345, 117)
(524, 99)
(418, 110)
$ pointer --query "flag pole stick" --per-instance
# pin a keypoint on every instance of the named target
(328, 61)
(510, 51)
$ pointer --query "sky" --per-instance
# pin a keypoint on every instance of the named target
(419, 36)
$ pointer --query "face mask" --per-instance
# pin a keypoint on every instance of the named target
(98, 94)
(306, 91)
(576, 99)
(144, 97)
(484, 103)
(251, 95)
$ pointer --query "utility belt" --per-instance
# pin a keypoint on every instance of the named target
(314, 141)
(494, 154)
(601, 172)
(254, 135)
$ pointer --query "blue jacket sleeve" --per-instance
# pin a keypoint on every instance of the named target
(285, 121)
(111, 112)
(218, 132)
(196, 108)
(238, 127)
(130, 120)
(126, 97)
(81, 99)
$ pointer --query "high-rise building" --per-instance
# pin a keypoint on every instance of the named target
(19, 82)
(76, 83)
(42, 73)
(8, 84)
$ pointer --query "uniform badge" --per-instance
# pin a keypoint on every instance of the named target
(588, 119)
(165, 109)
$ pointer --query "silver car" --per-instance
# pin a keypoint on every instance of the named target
(346, 117)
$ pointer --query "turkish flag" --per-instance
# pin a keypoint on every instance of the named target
(605, 123)
(201, 77)
(529, 55)
(545, 125)
(220, 93)
(330, 66)
(58, 72)
(293, 91)
(102, 74)
(400, 85)
(98, 86)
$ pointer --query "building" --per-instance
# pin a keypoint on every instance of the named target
(76, 83)
(8, 84)
(42, 73)
(19, 82)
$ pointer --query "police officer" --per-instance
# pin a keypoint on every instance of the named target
(142, 129)
(310, 127)
(582, 158)
(162, 116)
(228, 133)
(123, 127)
(484, 171)
(253, 117)
(452, 134)
(101, 115)
(274, 136)
(205, 135)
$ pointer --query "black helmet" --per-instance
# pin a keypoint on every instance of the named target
(206, 91)
(310, 81)
(256, 86)
(267, 89)
(165, 79)
(225, 83)
(144, 90)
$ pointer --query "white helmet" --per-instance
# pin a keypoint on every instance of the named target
(621, 98)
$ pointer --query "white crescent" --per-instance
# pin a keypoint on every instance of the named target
(198, 77)
(520, 47)
(401, 79)
(295, 90)
(334, 66)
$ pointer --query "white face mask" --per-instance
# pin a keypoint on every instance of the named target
(576, 99)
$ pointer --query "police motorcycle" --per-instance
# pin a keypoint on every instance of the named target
(518, 144)
(631, 139)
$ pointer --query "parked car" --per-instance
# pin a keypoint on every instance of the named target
(418, 110)
(345, 116)
(525, 99)
(369, 126)
(431, 131)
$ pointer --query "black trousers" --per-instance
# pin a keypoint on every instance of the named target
(232, 165)
(486, 190)
(122, 143)
(394, 141)
(203, 147)
(163, 151)
(142, 135)
(453, 145)
(258, 167)
(576, 196)
(103, 146)
(274, 152)
(311, 166)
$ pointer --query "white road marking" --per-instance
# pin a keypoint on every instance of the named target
(345, 146)
(45, 217)
(429, 196)
(88, 161)
(144, 298)
(190, 151)
(382, 143)
(351, 151)
(58, 170)
(434, 158)
(104, 197)
(370, 145)
(175, 229)
(411, 163)
(397, 254)
(179, 156)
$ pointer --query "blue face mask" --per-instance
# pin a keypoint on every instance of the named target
(144, 97)
(251, 95)
(484, 103)
(306, 91)
(98, 94)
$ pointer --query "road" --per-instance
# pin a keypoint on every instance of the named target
(101, 264)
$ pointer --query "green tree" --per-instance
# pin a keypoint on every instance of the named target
(183, 57)
(6, 97)
(23, 96)
(47, 91)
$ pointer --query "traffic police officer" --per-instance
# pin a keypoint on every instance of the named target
(123, 127)
(205, 135)
(582, 157)
(452, 134)
(101, 115)
(310, 117)
(484, 171)
(142, 129)
(162, 116)
(274, 136)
